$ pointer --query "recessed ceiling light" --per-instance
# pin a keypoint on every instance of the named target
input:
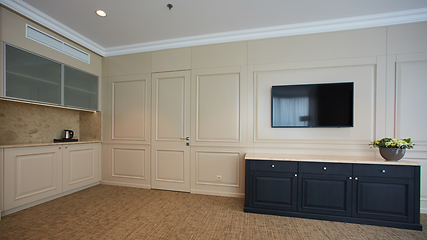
(101, 13)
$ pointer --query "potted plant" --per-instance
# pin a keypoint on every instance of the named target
(393, 149)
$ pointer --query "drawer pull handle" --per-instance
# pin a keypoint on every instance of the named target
(324, 168)
(272, 166)
(383, 170)
(349, 178)
(355, 178)
(296, 175)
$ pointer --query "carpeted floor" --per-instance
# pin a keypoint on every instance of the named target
(111, 212)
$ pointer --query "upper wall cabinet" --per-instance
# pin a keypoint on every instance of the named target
(36, 78)
(80, 89)
(32, 77)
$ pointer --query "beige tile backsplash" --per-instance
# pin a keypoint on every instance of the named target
(29, 123)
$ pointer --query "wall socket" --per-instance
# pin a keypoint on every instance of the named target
(218, 177)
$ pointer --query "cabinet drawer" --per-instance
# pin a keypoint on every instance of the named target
(377, 170)
(325, 168)
(273, 166)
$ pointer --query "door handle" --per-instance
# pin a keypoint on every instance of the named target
(186, 138)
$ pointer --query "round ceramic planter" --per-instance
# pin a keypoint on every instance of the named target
(392, 154)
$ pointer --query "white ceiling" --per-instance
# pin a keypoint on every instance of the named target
(146, 25)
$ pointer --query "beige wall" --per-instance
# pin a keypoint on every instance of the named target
(230, 99)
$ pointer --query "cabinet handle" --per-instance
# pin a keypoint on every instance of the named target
(272, 166)
(355, 178)
(324, 168)
(296, 175)
(66, 147)
(383, 170)
(349, 178)
(59, 147)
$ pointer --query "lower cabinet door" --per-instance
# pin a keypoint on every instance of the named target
(274, 190)
(31, 174)
(80, 165)
(324, 194)
(389, 199)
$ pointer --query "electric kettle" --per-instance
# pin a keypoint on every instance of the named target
(68, 134)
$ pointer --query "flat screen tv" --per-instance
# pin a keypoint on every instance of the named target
(312, 105)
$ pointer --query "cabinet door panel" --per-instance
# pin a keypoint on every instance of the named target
(31, 174)
(384, 199)
(80, 166)
(324, 194)
(80, 89)
(274, 190)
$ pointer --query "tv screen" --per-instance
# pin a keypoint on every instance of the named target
(312, 105)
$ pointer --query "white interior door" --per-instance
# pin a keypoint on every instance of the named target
(170, 156)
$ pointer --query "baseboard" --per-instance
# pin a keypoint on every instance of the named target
(423, 205)
(20, 208)
(125, 184)
(224, 194)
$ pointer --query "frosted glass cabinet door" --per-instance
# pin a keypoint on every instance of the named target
(80, 89)
(29, 76)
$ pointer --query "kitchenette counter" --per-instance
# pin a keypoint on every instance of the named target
(331, 159)
(46, 144)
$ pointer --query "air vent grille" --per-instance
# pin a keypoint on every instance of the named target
(50, 41)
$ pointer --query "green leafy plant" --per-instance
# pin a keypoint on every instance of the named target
(393, 143)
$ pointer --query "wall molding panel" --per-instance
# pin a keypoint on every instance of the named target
(363, 75)
(124, 105)
(128, 163)
(127, 109)
(167, 160)
(223, 90)
(229, 172)
(219, 103)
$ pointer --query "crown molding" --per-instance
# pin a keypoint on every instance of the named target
(351, 23)
(41, 18)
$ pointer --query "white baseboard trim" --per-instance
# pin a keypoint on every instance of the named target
(20, 208)
(195, 191)
(125, 184)
(224, 194)
(423, 205)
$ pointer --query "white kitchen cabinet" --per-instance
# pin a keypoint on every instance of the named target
(80, 165)
(31, 174)
(36, 173)
(1, 181)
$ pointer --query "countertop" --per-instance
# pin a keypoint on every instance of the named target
(322, 158)
(46, 144)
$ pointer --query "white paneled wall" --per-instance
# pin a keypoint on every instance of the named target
(126, 164)
(231, 97)
(362, 73)
(411, 110)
